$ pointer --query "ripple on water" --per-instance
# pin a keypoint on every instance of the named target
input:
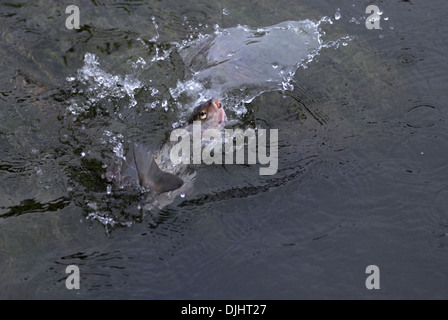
(426, 135)
(407, 59)
(399, 172)
(438, 240)
(422, 115)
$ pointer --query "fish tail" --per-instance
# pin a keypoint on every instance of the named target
(150, 175)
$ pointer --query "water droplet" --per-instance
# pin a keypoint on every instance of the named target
(165, 105)
(422, 153)
(109, 189)
(83, 154)
(381, 36)
(386, 18)
(92, 205)
(225, 11)
(275, 65)
(337, 15)
(38, 171)
(182, 195)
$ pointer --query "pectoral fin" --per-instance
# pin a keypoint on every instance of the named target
(150, 175)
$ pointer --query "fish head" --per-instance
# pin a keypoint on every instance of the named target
(211, 114)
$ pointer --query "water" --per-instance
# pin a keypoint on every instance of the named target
(362, 155)
(238, 64)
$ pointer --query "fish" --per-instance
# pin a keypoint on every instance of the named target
(153, 171)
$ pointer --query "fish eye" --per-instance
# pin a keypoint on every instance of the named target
(203, 115)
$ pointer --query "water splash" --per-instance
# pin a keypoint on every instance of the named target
(238, 64)
(101, 84)
(116, 141)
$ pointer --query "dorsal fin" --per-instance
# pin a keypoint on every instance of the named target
(149, 173)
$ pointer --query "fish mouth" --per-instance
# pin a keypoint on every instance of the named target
(217, 106)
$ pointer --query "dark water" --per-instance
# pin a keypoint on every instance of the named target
(362, 156)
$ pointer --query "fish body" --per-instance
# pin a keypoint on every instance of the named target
(153, 171)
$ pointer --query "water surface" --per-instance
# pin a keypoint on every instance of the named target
(362, 155)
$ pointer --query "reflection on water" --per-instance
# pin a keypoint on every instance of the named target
(362, 154)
